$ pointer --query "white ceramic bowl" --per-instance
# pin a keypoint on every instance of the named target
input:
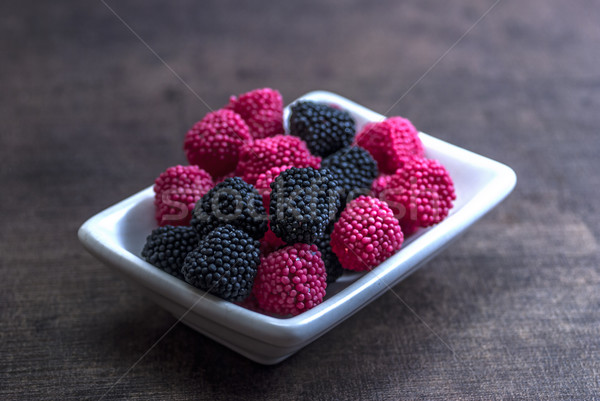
(117, 236)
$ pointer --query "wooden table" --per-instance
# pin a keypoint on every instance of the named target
(95, 99)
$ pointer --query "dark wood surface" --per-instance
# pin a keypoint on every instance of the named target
(90, 115)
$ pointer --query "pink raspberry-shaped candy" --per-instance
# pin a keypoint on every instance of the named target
(390, 142)
(366, 234)
(262, 109)
(176, 192)
(270, 242)
(421, 193)
(380, 183)
(219, 180)
(263, 183)
(276, 151)
(214, 142)
(291, 280)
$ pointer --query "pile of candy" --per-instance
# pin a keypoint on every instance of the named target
(269, 219)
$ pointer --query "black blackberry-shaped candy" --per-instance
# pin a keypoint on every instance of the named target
(303, 202)
(324, 129)
(166, 247)
(234, 202)
(332, 264)
(354, 169)
(224, 263)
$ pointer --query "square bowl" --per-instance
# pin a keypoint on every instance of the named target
(117, 235)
